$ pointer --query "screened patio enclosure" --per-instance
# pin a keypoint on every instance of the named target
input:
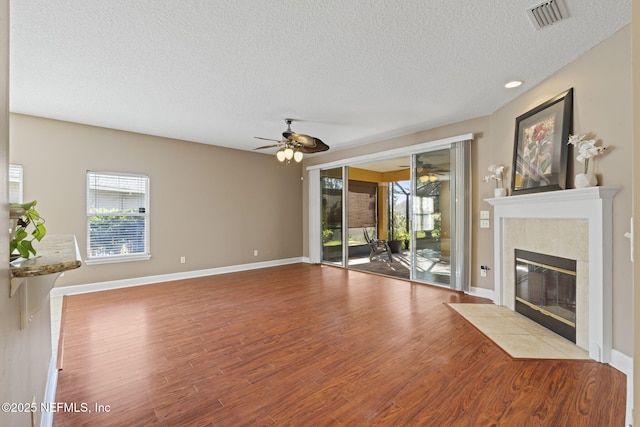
(417, 204)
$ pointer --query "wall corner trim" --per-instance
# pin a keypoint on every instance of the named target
(624, 364)
(46, 419)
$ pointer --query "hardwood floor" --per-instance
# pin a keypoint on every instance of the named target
(303, 345)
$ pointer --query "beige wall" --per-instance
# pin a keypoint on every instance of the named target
(601, 79)
(24, 354)
(212, 205)
(602, 106)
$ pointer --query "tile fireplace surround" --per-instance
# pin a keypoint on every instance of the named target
(575, 224)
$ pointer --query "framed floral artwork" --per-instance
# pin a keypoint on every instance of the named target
(540, 146)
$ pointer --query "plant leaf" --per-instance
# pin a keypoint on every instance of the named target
(33, 215)
(39, 232)
(24, 252)
(29, 247)
(20, 234)
(28, 205)
(545, 149)
(545, 165)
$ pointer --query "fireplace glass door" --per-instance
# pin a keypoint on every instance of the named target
(546, 291)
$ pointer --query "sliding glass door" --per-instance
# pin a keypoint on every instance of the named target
(418, 203)
(440, 227)
(331, 189)
(432, 217)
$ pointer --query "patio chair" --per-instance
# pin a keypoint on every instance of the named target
(378, 246)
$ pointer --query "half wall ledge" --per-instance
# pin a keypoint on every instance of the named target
(33, 278)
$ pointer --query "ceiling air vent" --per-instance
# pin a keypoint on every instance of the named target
(547, 13)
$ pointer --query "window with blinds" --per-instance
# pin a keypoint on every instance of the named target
(117, 217)
(15, 184)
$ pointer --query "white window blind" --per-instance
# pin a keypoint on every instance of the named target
(117, 217)
(15, 184)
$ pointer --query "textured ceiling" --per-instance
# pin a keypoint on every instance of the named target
(352, 72)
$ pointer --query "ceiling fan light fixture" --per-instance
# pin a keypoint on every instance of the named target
(294, 145)
(430, 177)
(288, 153)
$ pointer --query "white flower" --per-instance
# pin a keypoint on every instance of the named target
(496, 173)
(496, 169)
(576, 139)
(586, 149)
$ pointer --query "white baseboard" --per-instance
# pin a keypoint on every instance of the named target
(624, 364)
(481, 292)
(46, 417)
(138, 281)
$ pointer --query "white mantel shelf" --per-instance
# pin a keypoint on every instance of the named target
(594, 204)
(563, 196)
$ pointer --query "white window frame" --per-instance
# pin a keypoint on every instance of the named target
(104, 259)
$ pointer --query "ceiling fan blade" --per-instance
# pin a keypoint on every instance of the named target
(304, 140)
(268, 146)
(297, 141)
(269, 139)
(317, 147)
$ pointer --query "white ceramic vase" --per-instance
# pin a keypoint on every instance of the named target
(584, 180)
(499, 192)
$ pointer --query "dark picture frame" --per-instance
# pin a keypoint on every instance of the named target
(541, 146)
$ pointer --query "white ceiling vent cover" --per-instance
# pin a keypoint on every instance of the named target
(547, 13)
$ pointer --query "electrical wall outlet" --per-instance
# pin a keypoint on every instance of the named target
(255, 252)
(183, 259)
(484, 223)
(484, 214)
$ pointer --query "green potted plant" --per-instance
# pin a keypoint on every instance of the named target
(399, 235)
(27, 225)
(437, 227)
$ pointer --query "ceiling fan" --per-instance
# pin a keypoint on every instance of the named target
(431, 173)
(294, 145)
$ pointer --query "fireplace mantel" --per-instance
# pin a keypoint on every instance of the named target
(594, 204)
(564, 196)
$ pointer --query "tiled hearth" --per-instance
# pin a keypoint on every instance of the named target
(517, 335)
(573, 224)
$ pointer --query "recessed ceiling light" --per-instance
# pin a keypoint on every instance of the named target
(514, 83)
